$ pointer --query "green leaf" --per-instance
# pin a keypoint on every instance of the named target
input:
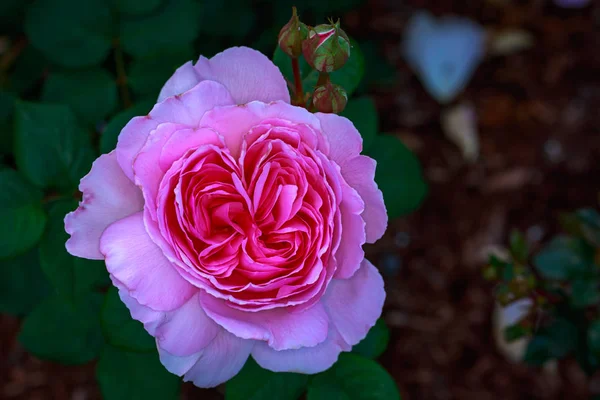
(27, 71)
(256, 383)
(538, 351)
(71, 33)
(70, 276)
(65, 332)
(584, 292)
(172, 25)
(91, 93)
(22, 283)
(593, 337)
(518, 246)
(147, 75)
(120, 329)
(585, 223)
(349, 76)
(378, 71)
(136, 7)
(376, 341)
(353, 377)
(564, 258)
(363, 114)
(21, 213)
(398, 175)
(556, 340)
(216, 16)
(134, 376)
(108, 138)
(11, 15)
(51, 148)
(7, 106)
(515, 332)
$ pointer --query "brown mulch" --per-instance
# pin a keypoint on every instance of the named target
(539, 129)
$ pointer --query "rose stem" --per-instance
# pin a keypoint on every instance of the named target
(298, 82)
(121, 75)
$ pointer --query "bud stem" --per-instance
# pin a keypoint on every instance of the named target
(299, 100)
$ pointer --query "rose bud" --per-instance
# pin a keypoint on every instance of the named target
(330, 98)
(327, 47)
(291, 36)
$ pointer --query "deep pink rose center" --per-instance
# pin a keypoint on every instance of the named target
(256, 228)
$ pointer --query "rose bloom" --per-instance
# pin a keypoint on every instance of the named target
(232, 224)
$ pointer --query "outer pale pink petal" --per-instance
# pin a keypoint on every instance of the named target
(147, 316)
(307, 360)
(184, 78)
(218, 362)
(344, 140)
(281, 328)
(185, 109)
(107, 197)
(135, 261)
(187, 329)
(350, 253)
(359, 172)
(248, 75)
(355, 304)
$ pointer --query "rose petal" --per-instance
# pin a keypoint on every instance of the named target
(184, 78)
(186, 109)
(135, 261)
(281, 328)
(350, 254)
(218, 362)
(187, 329)
(307, 360)
(234, 122)
(107, 197)
(344, 140)
(359, 173)
(248, 75)
(355, 304)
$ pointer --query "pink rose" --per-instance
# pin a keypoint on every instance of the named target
(232, 224)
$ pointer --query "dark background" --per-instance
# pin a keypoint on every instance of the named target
(539, 123)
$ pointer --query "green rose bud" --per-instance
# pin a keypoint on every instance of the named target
(327, 47)
(292, 35)
(330, 98)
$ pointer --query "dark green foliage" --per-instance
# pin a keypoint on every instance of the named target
(120, 329)
(255, 383)
(64, 331)
(376, 341)
(21, 213)
(355, 378)
(134, 376)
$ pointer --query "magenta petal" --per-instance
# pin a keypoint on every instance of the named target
(359, 173)
(135, 261)
(355, 304)
(307, 360)
(248, 75)
(107, 197)
(234, 122)
(218, 362)
(186, 330)
(184, 78)
(281, 328)
(186, 109)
